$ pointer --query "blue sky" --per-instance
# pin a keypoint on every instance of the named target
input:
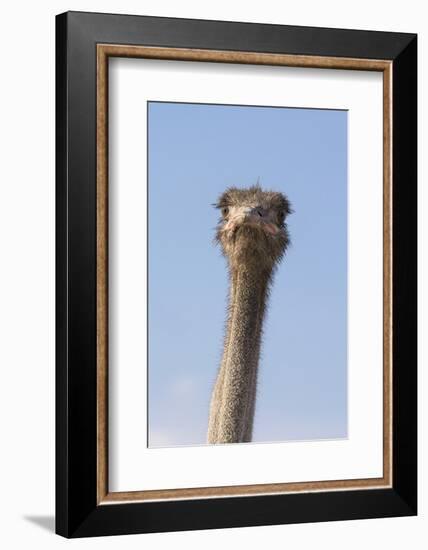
(195, 152)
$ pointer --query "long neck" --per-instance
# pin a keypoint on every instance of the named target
(232, 407)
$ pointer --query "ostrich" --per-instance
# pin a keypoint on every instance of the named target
(253, 236)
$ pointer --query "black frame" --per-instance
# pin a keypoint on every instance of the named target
(77, 513)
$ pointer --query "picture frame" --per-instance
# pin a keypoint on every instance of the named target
(84, 44)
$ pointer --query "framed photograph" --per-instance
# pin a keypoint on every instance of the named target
(236, 274)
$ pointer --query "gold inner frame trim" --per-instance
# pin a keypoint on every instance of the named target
(104, 51)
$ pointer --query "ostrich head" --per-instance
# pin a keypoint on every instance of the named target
(252, 231)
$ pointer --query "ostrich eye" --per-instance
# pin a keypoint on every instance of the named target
(225, 210)
(281, 216)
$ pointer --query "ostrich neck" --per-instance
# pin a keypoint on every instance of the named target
(241, 354)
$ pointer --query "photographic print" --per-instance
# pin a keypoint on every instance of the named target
(245, 275)
(247, 285)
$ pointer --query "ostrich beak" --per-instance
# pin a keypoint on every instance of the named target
(253, 216)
